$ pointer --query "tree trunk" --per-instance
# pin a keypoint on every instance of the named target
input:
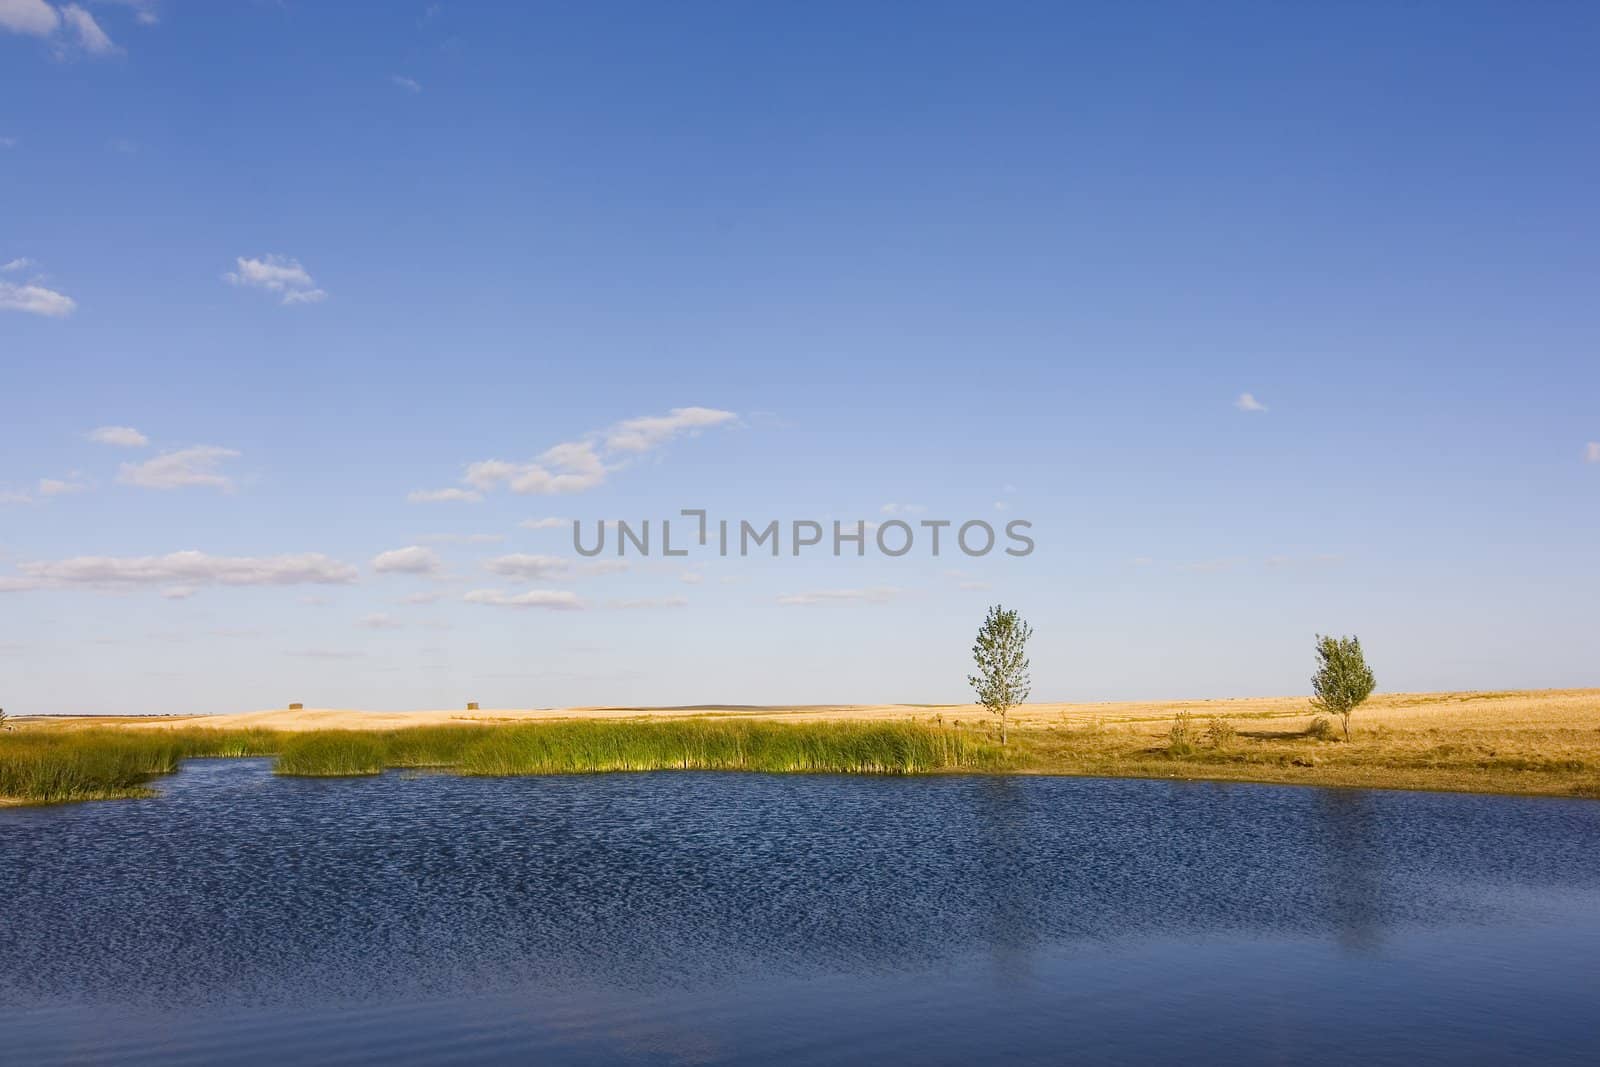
(1345, 718)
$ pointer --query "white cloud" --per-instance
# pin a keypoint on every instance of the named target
(574, 466)
(191, 569)
(878, 595)
(21, 262)
(691, 577)
(558, 600)
(35, 299)
(413, 559)
(903, 509)
(15, 498)
(119, 437)
(651, 431)
(57, 487)
(1248, 402)
(544, 524)
(530, 568)
(186, 467)
(34, 18)
(277, 274)
(441, 496)
(1591, 452)
(567, 468)
(421, 598)
(64, 26)
(410, 85)
(8, 142)
(179, 592)
(379, 621)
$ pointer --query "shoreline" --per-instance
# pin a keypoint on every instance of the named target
(1532, 743)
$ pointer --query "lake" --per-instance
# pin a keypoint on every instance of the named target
(713, 918)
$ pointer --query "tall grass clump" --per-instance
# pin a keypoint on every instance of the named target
(52, 766)
(844, 748)
(1182, 735)
(333, 754)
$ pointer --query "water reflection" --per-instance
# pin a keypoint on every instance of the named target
(1354, 865)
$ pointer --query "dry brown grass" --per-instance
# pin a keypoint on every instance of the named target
(1541, 741)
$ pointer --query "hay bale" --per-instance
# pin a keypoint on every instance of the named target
(296, 707)
(472, 705)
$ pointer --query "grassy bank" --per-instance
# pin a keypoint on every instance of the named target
(1548, 760)
(1488, 743)
(55, 765)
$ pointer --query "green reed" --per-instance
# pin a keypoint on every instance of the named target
(64, 764)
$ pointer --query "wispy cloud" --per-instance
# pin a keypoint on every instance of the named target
(553, 599)
(144, 11)
(967, 581)
(652, 431)
(545, 524)
(462, 539)
(410, 85)
(282, 275)
(413, 559)
(59, 487)
(188, 569)
(574, 466)
(182, 469)
(380, 621)
(649, 603)
(877, 595)
(1213, 566)
(118, 437)
(1319, 559)
(892, 508)
(443, 496)
(1248, 402)
(1591, 452)
(527, 567)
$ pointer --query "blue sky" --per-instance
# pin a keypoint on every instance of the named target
(951, 261)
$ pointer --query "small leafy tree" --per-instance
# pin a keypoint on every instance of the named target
(1000, 652)
(1343, 679)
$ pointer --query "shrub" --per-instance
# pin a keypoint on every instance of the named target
(1220, 732)
(1321, 729)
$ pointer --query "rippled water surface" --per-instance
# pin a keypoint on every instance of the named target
(699, 918)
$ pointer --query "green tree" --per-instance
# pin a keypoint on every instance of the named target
(1343, 679)
(1001, 654)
